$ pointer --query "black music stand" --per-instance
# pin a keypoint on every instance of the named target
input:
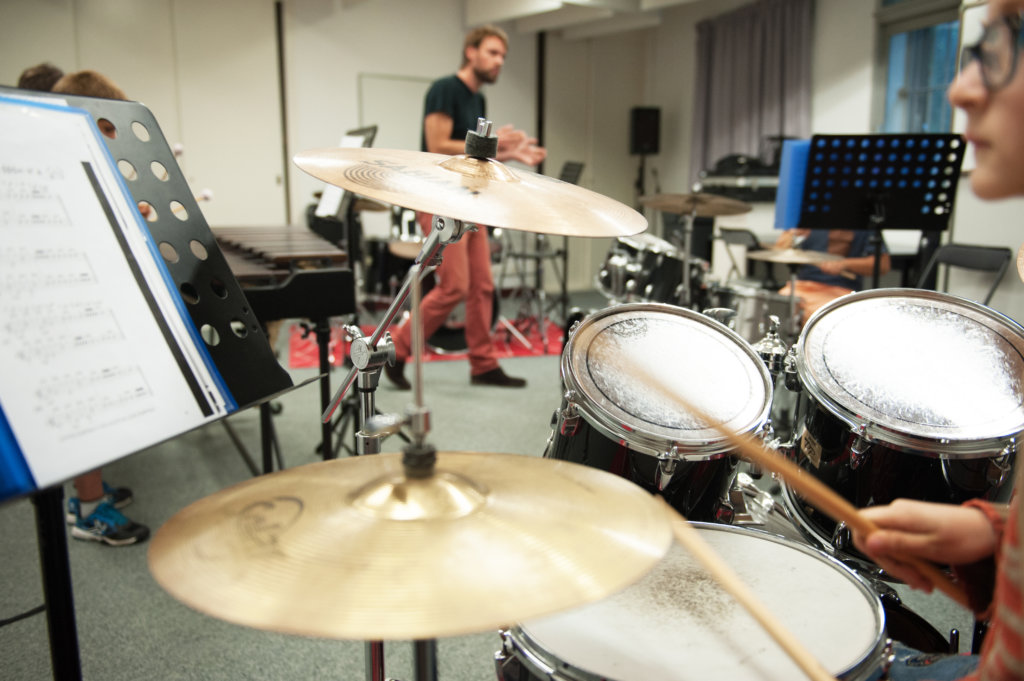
(876, 182)
(214, 300)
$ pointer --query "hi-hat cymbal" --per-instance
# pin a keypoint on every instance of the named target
(352, 549)
(792, 256)
(702, 205)
(484, 192)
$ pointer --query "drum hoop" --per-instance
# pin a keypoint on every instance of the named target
(932, 447)
(526, 644)
(648, 443)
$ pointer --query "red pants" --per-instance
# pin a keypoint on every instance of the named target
(464, 274)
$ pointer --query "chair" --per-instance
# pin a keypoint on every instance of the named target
(984, 258)
(571, 171)
(736, 236)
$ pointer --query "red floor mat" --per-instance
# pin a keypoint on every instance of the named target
(444, 345)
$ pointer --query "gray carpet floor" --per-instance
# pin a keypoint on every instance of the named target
(129, 628)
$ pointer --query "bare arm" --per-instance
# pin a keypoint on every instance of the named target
(864, 266)
(437, 131)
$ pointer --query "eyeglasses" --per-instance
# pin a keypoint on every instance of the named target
(996, 52)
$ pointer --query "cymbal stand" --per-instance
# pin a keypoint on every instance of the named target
(368, 357)
(418, 459)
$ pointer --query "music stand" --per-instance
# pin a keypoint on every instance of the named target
(214, 302)
(876, 182)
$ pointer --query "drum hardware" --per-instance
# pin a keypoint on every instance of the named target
(568, 417)
(723, 315)
(771, 349)
(667, 462)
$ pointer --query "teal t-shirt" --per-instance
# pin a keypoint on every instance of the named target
(450, 96)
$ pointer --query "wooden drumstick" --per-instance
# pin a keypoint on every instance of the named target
(734, 586)
(809, 487)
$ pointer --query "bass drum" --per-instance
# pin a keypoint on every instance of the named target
(677, 624)
(909, 393)
(612, 418)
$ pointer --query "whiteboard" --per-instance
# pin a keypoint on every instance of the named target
(394, 103)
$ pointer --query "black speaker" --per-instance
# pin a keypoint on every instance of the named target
(644, 129)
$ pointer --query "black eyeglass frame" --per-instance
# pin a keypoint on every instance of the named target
(972, 53)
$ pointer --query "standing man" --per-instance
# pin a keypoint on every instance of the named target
(452, 106)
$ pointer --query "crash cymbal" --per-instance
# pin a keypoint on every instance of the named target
(702, 205)
(484, 192)
(352, 549)
(792, 256)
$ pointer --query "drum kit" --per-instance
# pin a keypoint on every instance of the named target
(927, 404)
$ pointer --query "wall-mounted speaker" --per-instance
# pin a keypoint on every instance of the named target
(644, 129)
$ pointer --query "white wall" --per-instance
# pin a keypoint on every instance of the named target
(208, 71)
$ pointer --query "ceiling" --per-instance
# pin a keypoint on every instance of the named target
(575, 19)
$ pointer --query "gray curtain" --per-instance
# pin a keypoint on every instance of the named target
(753, 80)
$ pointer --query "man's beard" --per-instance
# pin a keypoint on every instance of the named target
(485, 76)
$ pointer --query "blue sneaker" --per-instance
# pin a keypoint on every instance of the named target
(118, 497)
(106, 524)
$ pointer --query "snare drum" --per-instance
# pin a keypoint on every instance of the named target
(909, 393)
(677, 624)
(610, 419)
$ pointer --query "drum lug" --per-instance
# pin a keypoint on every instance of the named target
(1001, 466)
(859, 448)
(888, 657)
(666, 468)
(841, 538)
(570, 417)
(789, 369)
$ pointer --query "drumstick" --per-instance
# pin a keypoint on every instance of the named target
(734, 586)
(812, 489)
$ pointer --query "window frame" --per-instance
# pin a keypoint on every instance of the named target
(902, 17)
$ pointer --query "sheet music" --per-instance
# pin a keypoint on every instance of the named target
(331, 196)
(97, 356)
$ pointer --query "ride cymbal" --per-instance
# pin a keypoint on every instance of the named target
(352, 549)
(484, 192)
(792, 256)
(702, 205)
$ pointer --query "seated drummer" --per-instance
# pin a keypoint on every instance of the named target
(818, 284)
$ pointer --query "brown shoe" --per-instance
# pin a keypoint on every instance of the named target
(396, 374)
(498, 378)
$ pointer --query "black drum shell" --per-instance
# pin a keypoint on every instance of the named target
(885, 473)
(696, 488)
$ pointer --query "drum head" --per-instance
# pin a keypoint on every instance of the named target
(920, 369)
(693, 355)
(677, 624)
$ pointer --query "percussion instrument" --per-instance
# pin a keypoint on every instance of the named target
(358, 549)
(610, 420)
(700, 205)
(676, 624)
(792, 256)
(909, 393)
(753, 306)
(644, 268)
(480, 191)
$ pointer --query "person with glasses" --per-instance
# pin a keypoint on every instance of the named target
(979, 540)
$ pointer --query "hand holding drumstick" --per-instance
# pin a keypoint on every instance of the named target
(817, 493)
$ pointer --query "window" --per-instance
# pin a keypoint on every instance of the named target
(918, 42)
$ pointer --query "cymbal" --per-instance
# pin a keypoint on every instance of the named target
(703, 205)
(484, 192)
(404, 248)
(792, 256)
(352, 549)
(368, 205)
